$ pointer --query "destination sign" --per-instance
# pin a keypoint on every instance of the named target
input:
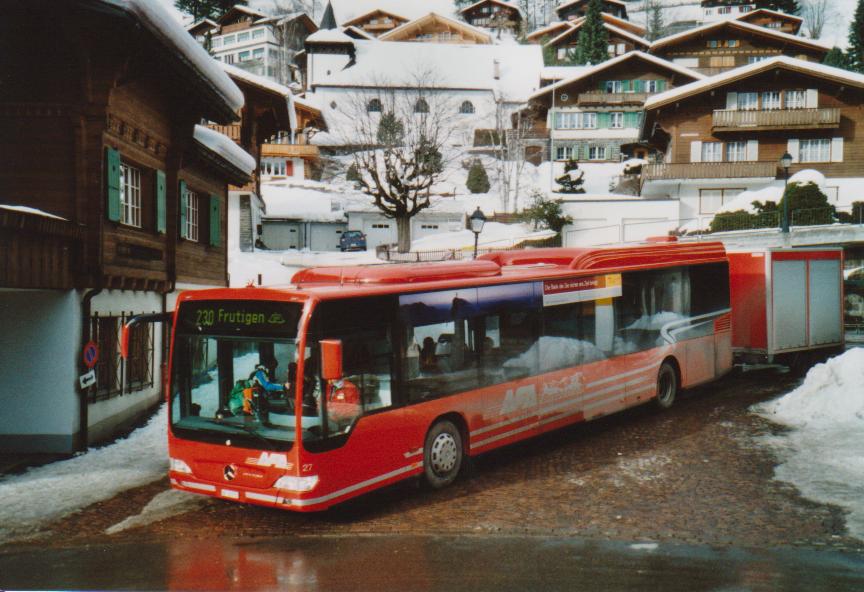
(246, 317)
(581, 289)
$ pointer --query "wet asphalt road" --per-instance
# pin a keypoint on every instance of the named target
(690, 487)
(409, 563)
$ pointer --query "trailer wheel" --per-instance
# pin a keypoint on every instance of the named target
(442, 454)
(667, 386)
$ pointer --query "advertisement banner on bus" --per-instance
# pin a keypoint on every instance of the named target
(581, 289)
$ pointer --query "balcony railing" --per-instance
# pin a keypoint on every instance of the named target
(290, 151)
(604, 98)
(709, 170)
(728, 120)
(232, 131)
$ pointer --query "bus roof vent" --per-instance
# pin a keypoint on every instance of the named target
(652, 255)
(401, 273)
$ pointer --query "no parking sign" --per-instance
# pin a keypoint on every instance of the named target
(90, 354)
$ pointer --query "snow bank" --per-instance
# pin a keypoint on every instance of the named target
(47, 493)
(744, 200)
(224, 147)
(495, 234)
(823, 453)
(163, 505)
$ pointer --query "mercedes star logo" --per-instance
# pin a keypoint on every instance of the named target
(230, 472)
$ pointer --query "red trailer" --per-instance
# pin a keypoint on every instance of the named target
(785, 301)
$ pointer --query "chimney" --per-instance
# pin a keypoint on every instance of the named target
(496, 69)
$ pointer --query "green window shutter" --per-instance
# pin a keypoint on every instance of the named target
(112, 170)
(626, 85)
(631, 119)
(182, 202)
(603, 120)
(602, 86)
(215, 221)
(638, 86)
(661, 85)
(161, 225)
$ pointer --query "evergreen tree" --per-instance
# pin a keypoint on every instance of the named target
(593, 42)
(836, 58)
(352, 174)
(655, 26)
(572, 179)
(478, 180)
(391, 131)
(787, 6)
(200, 9)
(544, 213)
(855, 53)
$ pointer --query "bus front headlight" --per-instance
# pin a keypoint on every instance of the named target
(180, 466)
(292, 483)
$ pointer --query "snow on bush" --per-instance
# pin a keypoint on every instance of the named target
(823, 452)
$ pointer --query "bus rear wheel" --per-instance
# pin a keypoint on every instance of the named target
(442, 454)
(667, 386)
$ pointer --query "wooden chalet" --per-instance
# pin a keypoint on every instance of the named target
(574, 9)
(771, 19)
(376, 22)
(495, 15)
(721, 46)
(620, 41)
(435, 28)
(556, 28)
(591, 115)
(727, 133)
(113, 200)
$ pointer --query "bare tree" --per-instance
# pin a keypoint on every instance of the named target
(512, 128)
(817, 15)
(400, 137)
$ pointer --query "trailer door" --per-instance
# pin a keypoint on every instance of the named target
(789, 305)
(824, 289)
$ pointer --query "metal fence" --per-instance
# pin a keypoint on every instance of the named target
(390, 252)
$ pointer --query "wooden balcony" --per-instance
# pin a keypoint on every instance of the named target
(604, 98)
(232, 131)
(39, 252)
(709, 170)
(307, 151)
(731, 121)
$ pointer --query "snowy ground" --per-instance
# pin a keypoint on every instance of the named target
(822, 453)
(276, 268)
(31, 501)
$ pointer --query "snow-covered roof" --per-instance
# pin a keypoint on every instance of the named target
(499, 2)
(347, 10)
(359, 32)
(614, 62)
(396, 63)
(162, 25)
(361, 17)
(768, 11)
(225, 147)
(434, 16)
(577, 24)
(329, 36)
(243, 9)
(742, 25)
(805, 67)
(205, 21)
(540, 32)
(255, 80)
(32, 211)
(561, 72)
(570, 3)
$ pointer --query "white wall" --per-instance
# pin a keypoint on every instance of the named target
(40, 342)
(598, 222)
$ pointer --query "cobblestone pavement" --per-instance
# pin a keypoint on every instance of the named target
(692, 474)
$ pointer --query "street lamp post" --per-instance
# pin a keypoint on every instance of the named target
(477, 222)
(785, 162)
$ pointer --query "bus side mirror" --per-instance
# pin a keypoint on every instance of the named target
(159, 317)
(331, 359)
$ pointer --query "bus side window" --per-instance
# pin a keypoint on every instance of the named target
(519, 354)
(446, 359)
(569, 336)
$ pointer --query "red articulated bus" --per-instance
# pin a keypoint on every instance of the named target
(354, 378)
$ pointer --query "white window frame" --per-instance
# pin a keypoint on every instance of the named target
(616, 120)
(588, 120)
(617, 86)
(244, 36)
(748, 101)
(246, 53)
(596, 152)
(563, 152)
(772, 100)
(228, 39)
(258, 33)
(736, 151)
(712, 152)
(192, 209)
(795, 99)
(130, 195)
(814, 150)
(651, 86)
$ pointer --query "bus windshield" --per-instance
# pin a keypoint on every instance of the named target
(234, 368)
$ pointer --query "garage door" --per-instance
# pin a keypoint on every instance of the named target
(379, 232)
(325, 237)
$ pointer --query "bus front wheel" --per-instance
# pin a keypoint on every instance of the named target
(442, 454)
(667, 386)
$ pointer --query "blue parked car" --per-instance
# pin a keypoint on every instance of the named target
(352, 240)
